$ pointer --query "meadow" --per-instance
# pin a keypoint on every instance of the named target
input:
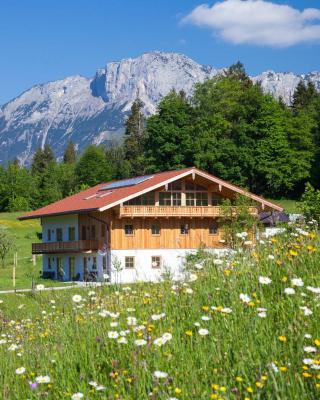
(23, 233)
(240, 328)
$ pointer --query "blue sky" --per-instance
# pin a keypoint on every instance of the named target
(47, 40)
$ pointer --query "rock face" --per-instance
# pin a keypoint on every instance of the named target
(94, 110)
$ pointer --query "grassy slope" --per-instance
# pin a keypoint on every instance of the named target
(24, 233)
(232, 362)
(290, 206)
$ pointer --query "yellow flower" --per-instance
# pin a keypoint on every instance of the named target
(293, 253)
(249, 389)
(306, 375)
(189, 333)
(259, 385)
(213, 396)
(283, 369)
(205, 308)
(214, 386)
(282, 338)
(264, 377)
(227, 272)
(177, 390)
(318, 385)
(223, 389)
(284, 279)
(239, 379)
(317, 342)
(251, 304)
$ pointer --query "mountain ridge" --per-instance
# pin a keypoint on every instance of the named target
(93, 110)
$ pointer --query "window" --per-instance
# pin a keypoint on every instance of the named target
(155, 229)
(128, 230)
(202, 199)
(49, 263)
(129, 262)
(184, 229)
(147, 199)
(190, 199)
(176, 199)
(104, 263)
(59, 234)
(72, 269)
(156, 262)
(72, 232)
(49, 235)
(194, 187)
(165, 199)
(213, 229)
(169, 199)
(94, 263)
(93, 231)
(175, 185)
(197, 199)
(216, 199)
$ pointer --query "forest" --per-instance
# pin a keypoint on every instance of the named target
(228, 127)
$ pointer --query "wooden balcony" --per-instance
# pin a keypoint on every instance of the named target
(175, 211)
(74, 246)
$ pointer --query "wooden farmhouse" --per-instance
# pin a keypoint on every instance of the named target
(135, 229)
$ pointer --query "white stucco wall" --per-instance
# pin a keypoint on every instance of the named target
(62, 221)
(172, 261)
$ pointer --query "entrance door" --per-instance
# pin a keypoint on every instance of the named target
(85, 268)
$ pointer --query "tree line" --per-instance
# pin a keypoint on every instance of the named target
(228, 127)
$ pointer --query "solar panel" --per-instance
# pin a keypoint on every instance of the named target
(127, 182)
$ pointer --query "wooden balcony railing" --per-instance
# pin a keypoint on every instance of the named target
(73, 246)
(175, 211)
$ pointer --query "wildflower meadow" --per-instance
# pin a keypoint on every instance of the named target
(241, 327)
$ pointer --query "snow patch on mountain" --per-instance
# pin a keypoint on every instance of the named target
(94, 110)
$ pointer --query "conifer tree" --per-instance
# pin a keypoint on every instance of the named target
(135, 135)
(69, 156)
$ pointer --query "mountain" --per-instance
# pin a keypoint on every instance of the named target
(94, 110)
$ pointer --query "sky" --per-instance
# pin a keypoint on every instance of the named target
(44, 40)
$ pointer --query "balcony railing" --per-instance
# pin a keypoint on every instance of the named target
(73, 246)
(175, 211)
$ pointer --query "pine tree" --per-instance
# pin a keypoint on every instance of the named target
(69, 156)
(135, 135)
(41, 159)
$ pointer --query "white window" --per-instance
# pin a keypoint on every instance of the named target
(129, 262)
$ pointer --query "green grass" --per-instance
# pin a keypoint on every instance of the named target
(24, 233)
(242, 356)
(290, 206)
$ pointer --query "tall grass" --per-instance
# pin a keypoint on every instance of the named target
(215, 345)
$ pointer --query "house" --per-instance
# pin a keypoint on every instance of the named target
(135, 229)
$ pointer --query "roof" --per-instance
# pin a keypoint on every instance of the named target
(100, 197)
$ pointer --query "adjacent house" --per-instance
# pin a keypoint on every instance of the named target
(135, 229)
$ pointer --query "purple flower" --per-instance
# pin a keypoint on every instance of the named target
(33, 385)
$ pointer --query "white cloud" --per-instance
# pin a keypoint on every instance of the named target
(258, 22)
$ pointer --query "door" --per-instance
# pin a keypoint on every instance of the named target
(85, 268)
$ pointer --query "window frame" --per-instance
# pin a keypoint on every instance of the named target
(184, 227)
(125, 230)
(216, 228)
(152, 230)
(71, 229)
(159, 262)
(59, 237)
(129, 262)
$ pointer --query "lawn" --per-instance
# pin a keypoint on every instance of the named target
(246, 328)
(290, 206)
(24, 233)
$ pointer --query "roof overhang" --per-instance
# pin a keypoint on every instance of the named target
(193, 172)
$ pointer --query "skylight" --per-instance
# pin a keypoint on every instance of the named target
(127, 182)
